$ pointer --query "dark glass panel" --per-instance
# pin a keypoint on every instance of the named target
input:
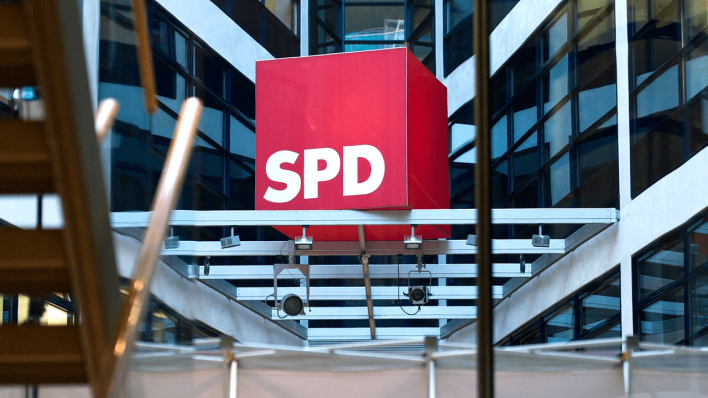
(597, 97)
(654, 156)
(497, 86)
(613, 331)
(243, 94)
(279, 40)
(208, 70)
(596, 152)
(171, 86)
(457, 12)
(662, 321)
(462, 173)
(697, 126)
(525, 160)
(524, 110)
(699, 303)
(638, 15)
(208, 165)
(499, 138)
(129, 174)
(161, 33)
(500, 181)
(242, 185)
(696, 67)
(559, 325)
(662, 266)
(530, 335)
(602, 192)
(462, 131)
(527, 198)
(248, 15)
(222, 4)
(326, 11)
(557, 180)
(555, 37)
(285, 11)
(164, 328)
(700, 341)
(655, 47)
(242, 140)
(162, 126)
(655, 102)
(600, 305)
(554, 84)
(458, 44)
(596, 48)
(587, 9)
(525, 69)
(698, 248)
(373, 22)
(696, 17)
(212, 121)
(557, 131)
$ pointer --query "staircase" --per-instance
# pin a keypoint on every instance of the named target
(41, 44)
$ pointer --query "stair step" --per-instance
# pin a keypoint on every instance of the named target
(16, 67)
(25, 166)
(41, 354)
(33, 261)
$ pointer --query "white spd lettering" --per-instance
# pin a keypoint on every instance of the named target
(313, 176)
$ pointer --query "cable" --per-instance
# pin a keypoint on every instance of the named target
(398, 285)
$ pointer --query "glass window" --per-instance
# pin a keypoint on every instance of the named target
(524, 109)
(285, 10)
(697, 70)
(655, 155)
(242, 139)
(531, 335)
(557, 131)
(596, 48)
(527, 198)
(555, 37)
(497, 86)
(656, 101)
(242, 185)
(555, 84)
(660, 267)
(207, 69)
(457, 11)
(461, 134)
(524, 70)
(499, 138)
(698, 250)
(600, 305)
(171, 86)
(559, 179)
(697, 126)
(655, 47)
(696, 17)
(662, 321)
(500, 180)
(699, 304)
(374, 23)
(587, 9)
(559, 326)
(212, 121)
(597, 98)
(596, 152)
(526, 160)
(243, 94)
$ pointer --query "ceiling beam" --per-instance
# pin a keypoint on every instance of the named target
(359, 293)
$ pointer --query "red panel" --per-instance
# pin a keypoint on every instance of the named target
(385, 99)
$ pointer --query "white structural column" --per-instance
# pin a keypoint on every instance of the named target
(439, 27)
(623, 150)
(304, 27)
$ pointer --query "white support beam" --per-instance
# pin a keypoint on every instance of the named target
(269, 218)
(376, 271)
(348, 334)
(349, 313)
(381, 248)
(358, 293)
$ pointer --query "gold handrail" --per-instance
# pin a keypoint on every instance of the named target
(147, 74)
(105, 116)
(117, 359)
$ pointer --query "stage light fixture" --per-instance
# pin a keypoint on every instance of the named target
(540, 240)
(413, 241)
(231, 241)
(472, 240)
(303, 242)
(172, 241)
(292, 305)
(418, 295)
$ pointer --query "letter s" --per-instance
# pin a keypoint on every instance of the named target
(290, 178)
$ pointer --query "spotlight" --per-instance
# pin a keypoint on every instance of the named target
(231, 241)
(540, 240)
(303, 242)
(292, 305)
(418, 295)
(472, 240)
(172, 242)
(412, 241)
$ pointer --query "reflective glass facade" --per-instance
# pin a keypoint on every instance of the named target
(668, 83)
(355, 25)
(671, 287)
(554, 123)
(592, 312)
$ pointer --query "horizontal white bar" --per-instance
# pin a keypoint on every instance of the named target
(348, 313)
(368, 217)
(338, 334)
(376, 271)
(381, 248)
(358, 292)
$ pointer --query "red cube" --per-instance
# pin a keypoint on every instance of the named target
(364, 130)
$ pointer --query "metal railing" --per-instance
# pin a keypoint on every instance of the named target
(134, 306)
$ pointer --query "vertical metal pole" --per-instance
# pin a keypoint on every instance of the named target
(485, 360)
